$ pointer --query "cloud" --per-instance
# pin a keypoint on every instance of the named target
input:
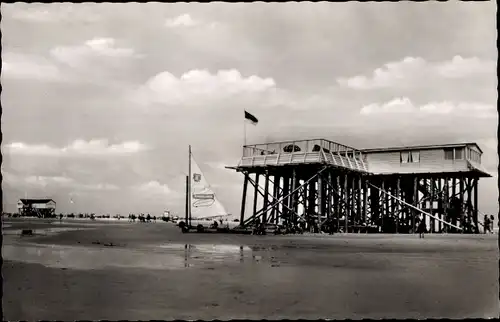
(417, 71)
(44, 181)
(221, 165)
(397, 105)
(155, 189)
(80, 56)
(58, 13)
(199, 85)
(39, 150)
(460, 67)
(183, 20)
(405, 105)
(78, 147)
(186, 21)
(99, 187)
(106, 47)
(20, 66)
(55, 182)
(34, 15)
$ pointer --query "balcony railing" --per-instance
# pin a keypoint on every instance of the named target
(315, 145)
(303, 152)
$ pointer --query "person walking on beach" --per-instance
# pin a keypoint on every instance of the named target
(421, 228)
(486, 224)
(302, 223)
(256, 227)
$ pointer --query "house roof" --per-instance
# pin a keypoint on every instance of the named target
(33, 201)
(421, 147)
(479, 168)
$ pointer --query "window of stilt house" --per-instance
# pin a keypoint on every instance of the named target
(415, 156)
(475, 156)
(410, 156)
(404, 157)
(448, 154)
(455, 153)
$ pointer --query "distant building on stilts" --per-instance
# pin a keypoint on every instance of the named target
(42, 208)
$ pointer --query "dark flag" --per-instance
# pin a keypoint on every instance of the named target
(251, 118)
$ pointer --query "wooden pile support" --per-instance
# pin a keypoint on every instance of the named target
(358, 201)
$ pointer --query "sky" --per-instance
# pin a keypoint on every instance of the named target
(100, 101)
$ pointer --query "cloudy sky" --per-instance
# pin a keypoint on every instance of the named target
(101, 100)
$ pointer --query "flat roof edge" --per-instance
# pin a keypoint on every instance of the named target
(421, 147)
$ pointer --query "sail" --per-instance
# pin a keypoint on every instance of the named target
(204, 202)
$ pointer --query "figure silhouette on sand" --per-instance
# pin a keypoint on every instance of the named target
(421, 227)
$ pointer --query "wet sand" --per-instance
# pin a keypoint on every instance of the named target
(140, 271)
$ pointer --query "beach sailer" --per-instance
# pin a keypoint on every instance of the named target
(202, 205)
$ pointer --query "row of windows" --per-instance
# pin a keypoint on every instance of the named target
(473, 155)
(454, 154)
(449, 154)
(458, 154)
(410, 157)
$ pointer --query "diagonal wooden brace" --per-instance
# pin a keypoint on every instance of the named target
(260, 212)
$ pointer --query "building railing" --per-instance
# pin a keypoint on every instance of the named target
(304, 146)
(277, 159)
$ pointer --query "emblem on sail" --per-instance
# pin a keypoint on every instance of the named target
(201, 193)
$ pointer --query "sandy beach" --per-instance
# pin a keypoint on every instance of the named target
(141, 271)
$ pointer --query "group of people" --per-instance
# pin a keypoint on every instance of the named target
(303, 225)
(488, 223)
(141, 218)
(216, 224)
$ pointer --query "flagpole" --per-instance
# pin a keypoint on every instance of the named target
(26, 199)
(244, 132)
(254, 122)
(189, 190)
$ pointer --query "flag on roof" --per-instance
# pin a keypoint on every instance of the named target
(251, 118)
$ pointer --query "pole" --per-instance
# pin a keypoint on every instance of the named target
(244, 199)
(25, 198)
(188, 222)
(244, 132)
(187, 201)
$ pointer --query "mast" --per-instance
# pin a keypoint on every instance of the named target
(187, 201)
(189, 189)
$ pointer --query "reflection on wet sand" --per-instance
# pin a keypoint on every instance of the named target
(196, 254)
(41, 231)
(172, 256)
